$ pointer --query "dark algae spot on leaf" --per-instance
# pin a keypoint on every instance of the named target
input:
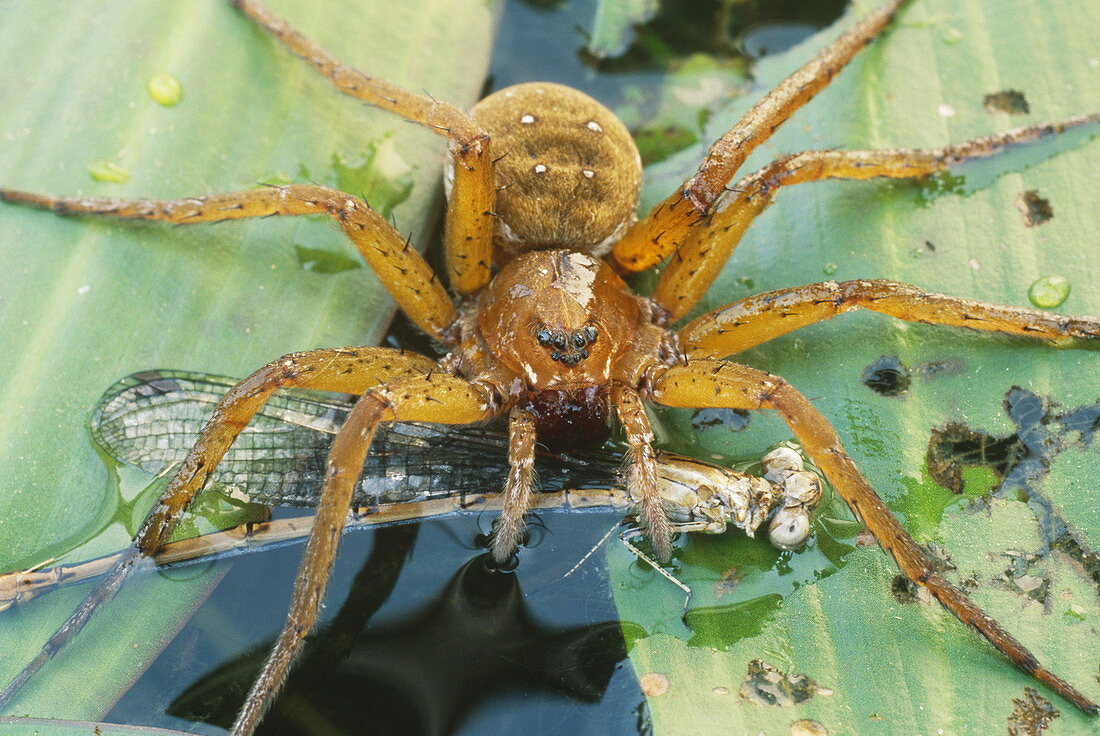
(1010, 101)
(767, 685)
(1019, 460)
(904, 590)
(1035, 209)
(887, 376)
(1032, 715)
(956, 446)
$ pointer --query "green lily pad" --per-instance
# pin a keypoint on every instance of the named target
(613, 25)
(40, 726)
(828, 611)
(84, 301)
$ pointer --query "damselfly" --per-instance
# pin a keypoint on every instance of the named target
(415, 471)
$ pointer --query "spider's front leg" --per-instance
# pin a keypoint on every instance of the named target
(642, 477)
(402, 271)
(346, 370)
(661, 232)
(508, 528)
(432, 397)
(704, 249)
(716, 383)
(752, 321)
(701, 225)
(468, 236)
(643, 481)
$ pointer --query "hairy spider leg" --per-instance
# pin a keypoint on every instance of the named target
(749, 322)
(508, 528)
(651, 240)
(468, 236)
(724, 384)
(642, 472)
(347, 370)
(431, 397)
(398, 266)
(708, 245)
(112, 581)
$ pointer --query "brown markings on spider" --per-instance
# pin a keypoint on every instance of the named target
(544, 181)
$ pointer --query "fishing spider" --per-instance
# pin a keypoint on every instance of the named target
(543, 181)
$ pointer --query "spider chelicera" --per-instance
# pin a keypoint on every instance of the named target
(544, 183)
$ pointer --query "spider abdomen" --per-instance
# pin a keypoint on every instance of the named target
(572, 173)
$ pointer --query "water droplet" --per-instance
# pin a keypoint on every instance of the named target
(830, 269)
(108, 171)
(951, 36)
(165, 89)
(1049, 292)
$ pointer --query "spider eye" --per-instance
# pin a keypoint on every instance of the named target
(567, 348)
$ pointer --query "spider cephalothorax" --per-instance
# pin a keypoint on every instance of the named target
(558, 318)
(544, 181)
(547, 335)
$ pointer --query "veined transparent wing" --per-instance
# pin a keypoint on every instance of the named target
(152, 418)
(414, 471)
